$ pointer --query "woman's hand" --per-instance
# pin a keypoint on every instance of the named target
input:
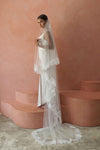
(36, 42)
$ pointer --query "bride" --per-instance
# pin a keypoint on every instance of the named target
(45, 61)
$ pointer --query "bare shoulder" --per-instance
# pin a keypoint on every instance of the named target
(47, 34)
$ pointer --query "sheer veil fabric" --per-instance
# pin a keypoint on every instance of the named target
(45, 61)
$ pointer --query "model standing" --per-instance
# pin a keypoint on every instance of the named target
(46, 59)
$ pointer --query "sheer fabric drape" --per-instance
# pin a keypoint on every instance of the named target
(45, 62)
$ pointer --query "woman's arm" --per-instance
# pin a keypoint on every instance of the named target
(40, 44)
(49, 42)
(49, 39)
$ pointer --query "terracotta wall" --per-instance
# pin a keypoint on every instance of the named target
(76, 28)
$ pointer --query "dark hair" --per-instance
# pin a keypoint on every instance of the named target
(43, 16)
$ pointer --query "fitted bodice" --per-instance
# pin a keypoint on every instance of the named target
(43, 52)
(43, 40)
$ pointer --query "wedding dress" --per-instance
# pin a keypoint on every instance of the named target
(53, 131)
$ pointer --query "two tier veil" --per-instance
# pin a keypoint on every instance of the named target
(53, 131)
(53, 58)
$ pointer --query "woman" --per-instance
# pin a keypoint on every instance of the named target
(45, 61)
(48, 58)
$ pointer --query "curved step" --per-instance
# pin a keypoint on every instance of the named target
(25, 116)
(81, 108)
(26, 97)
(78, 107)
(90, 85)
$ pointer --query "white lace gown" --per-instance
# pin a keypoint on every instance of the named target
(54, 132)
(44, 87)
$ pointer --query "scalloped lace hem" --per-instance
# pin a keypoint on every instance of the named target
(64, 134)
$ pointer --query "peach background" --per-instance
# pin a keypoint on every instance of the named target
(76, 28)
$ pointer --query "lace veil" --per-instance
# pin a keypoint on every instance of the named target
(53, 58)
(53, 131)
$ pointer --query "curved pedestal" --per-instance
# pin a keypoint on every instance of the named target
(25, 116)
(90, 85)
(81, 108)
(78, 107)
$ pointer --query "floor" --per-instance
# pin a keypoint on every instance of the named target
(13, 137)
